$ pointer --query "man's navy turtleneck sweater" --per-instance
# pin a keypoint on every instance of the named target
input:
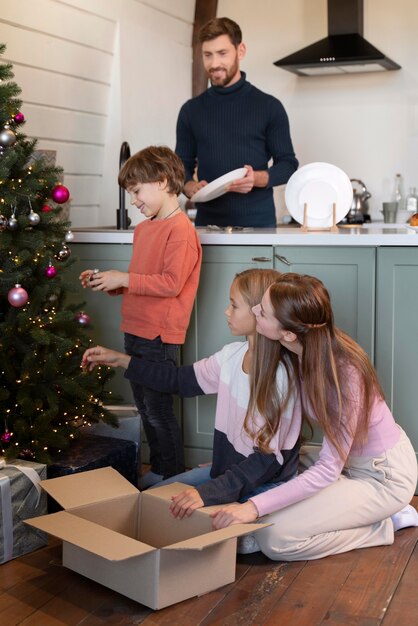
(228, 127)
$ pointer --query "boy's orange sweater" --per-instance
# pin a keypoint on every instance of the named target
(163, 279)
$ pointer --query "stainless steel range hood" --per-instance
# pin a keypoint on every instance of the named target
(344, 51)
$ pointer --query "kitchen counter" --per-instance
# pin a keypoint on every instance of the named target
(374, 234)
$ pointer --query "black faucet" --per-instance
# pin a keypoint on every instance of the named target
(122, 219)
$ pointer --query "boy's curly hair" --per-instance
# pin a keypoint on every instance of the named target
(151, 165)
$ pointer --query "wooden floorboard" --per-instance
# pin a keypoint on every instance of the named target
(369, 587)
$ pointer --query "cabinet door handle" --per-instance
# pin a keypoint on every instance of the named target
(283, 259)
(261, 259)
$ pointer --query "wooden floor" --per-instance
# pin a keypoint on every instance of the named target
(370, 587)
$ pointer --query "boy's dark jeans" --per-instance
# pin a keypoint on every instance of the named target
(156, 408)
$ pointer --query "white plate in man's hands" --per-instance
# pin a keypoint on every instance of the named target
(319, 186)
(218, 187)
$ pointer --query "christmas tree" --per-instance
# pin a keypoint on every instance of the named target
(45, 398)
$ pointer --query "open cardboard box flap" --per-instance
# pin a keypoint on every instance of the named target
(215, 536)
(93, 537)
(88, 487)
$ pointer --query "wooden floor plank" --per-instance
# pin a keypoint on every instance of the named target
(25, 598)
(250, 600)
(72, 605)
(403, 608)
(29, 565)
(368, 591)
(312, 593)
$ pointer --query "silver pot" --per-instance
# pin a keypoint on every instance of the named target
(359, 206)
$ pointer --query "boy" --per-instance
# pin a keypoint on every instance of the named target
(158, 292)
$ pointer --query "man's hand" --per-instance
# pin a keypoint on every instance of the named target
(108, 281)
(193, 186)
(251, 179)
(184, 503)
(234, 514)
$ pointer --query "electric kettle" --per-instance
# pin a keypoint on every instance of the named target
(359, 209)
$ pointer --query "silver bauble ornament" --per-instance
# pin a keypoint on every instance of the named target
(12, 223)
(63, 254)
(3, 222)
(7, 137)
(34, 218)
(69, 236)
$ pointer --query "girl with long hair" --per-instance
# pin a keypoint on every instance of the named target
(357, 492)
(256, 441)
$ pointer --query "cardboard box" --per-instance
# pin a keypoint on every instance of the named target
(129, 542)
(20, 498)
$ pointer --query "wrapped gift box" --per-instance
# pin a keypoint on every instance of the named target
(93, 452)
(20, 498)
(129, 427)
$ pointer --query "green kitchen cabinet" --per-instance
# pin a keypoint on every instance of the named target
(208, 332)
(103, 309)
(396, 333)
(348, 274)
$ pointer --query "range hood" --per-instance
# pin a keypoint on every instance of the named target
(344, 51)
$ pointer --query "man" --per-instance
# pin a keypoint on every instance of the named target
(232, 125)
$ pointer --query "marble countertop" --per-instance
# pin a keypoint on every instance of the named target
(374, 234)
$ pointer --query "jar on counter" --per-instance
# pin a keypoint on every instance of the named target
(411, 203)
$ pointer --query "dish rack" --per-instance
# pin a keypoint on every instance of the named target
(305, 228)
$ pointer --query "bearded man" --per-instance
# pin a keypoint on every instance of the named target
(233, 125)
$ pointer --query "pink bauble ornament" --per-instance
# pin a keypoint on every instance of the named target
(82, 318)
(19, 118)
(60, 194)
(46, 208)
(6, 436)
(17, 296)
(50, 271)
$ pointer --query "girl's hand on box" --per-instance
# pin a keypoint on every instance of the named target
(184, 503)
(108, 281)
(234, 514)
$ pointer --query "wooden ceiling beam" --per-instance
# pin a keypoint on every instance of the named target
(205, 10)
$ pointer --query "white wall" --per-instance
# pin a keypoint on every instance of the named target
(94, 73)
(367, 124)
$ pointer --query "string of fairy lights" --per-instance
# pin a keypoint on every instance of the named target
(17, 214)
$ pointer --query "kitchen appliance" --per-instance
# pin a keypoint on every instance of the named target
(344, 51)
(359, 210)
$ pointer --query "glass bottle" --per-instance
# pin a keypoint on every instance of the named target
(398, 191)
(397, 195)
(411, 203)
